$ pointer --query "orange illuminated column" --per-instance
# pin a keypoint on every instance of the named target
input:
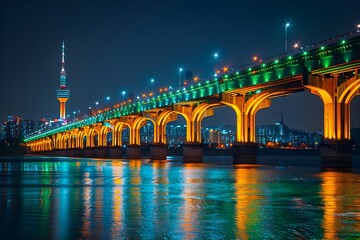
(336, 92)
(62, 107)
(336, 98)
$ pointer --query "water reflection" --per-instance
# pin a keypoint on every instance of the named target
(341, 212)
(102, 199)
(246, 194)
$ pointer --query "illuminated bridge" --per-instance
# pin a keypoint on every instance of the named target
(329, 69)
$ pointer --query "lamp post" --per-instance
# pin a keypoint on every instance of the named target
(108, 101)
(180, 70)
(152, 84)
(123, 95)
(286, 27)
(216, 55)
(97, 105)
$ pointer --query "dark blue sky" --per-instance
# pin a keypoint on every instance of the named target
(120, 45)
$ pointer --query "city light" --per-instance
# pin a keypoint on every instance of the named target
(286, 27)
(180, 70)
(216, 55)
(296, 45)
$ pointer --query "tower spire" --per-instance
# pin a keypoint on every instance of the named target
(63, 73)
(62, 93)
(63, 55)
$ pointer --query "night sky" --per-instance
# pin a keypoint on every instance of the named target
(111, 46)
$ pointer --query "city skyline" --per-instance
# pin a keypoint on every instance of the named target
(118, 47)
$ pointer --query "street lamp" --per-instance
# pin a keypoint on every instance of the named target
(152, 84)
(108, 101)
(358, 27)
(286, 27)
(123, 95)
(180, 70)
(97, 105)
(216, 55)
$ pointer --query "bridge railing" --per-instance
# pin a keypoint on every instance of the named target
(301, 50)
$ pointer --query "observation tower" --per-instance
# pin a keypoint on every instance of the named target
(62, 93)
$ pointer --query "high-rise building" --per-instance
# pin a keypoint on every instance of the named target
(27, 127)
(62, 93)
(2, 131)
(214, 136)
(12, 127)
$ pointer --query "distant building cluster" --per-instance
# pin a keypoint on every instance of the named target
(281, 136)
(16, 127)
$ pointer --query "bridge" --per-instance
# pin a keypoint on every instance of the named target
(328, 69)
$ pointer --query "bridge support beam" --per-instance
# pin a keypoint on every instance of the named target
(336, 154)
(245, 153)
(69, 152)
(133, 151)
(336, 91)
(115, 152)
(192, 152)
(78, 152)
(246, 107)
(158, 151)
(89, 152)
(100, 152)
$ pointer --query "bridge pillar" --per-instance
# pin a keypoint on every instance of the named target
(69, 152)
(78, 152)
(89, 152)
(246, 107)
(100, 152)
(193, 152)
(244, 153)
(336, 91)
(115, 152)
(158, 151)
(336, 153)
(133, 151)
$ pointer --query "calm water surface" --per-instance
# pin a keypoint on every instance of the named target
(64, 198)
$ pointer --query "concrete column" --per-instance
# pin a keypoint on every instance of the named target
(193, 152)
(336, 154)
(78, 152)
(89, 152)
(245, 153)
(133, 151)
(100, 152)
(336, 93)
(158, 151)
(115, 152)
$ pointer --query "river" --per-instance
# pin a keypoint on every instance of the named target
(74, 198)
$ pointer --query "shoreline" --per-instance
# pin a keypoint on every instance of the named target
(270, 160)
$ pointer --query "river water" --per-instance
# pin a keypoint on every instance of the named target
(72, 198)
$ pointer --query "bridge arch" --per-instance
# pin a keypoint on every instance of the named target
(65, 141)
(93, 138)
(103, 135)
(164, 119)
(73, 140)
(117, 136)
